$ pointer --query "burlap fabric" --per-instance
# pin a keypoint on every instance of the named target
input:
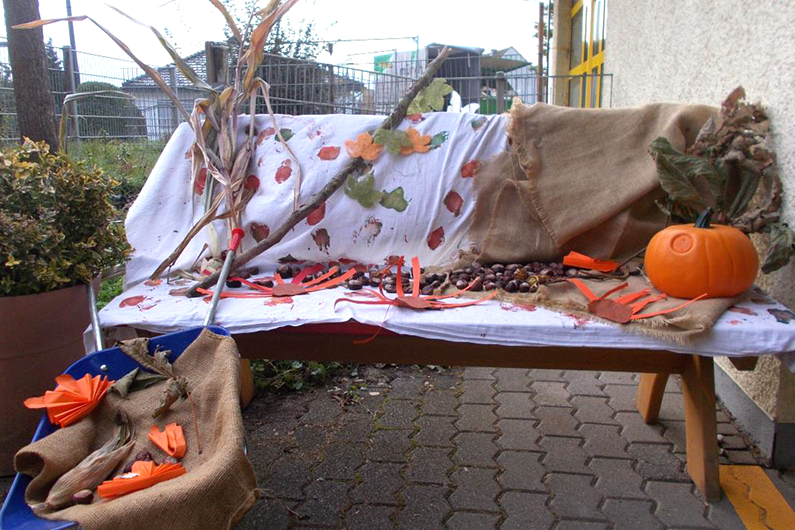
(219, 486)
(577, 179)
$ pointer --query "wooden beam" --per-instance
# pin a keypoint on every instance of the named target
(744, 364)
(650, 395)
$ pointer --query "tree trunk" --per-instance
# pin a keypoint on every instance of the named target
(35, 104)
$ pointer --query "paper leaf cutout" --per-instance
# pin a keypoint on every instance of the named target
(394, 200)
(363, 147)
(419, 143)
(363, 190)
(436, 238)
(431, 98)
(393, 140)
(328, 153)
(438, 139)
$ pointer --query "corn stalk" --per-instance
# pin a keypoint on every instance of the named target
(214, 119)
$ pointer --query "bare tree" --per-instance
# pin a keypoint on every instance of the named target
(35, 104)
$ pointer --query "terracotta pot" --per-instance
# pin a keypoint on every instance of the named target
(40, 336)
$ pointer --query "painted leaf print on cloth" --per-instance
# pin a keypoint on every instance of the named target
(436, 238)
(284, 172)
(322, 239)
(479, 122)
(200, 182)
(328, 153)
(316, 216)
(363, 147)
(438, 139)
(454, 202)
(259, 231)
(470, 169)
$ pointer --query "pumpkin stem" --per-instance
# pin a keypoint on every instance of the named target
(703, 219)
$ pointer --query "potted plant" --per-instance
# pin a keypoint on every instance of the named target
(58, 231)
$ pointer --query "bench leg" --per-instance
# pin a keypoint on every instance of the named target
(650, 395)
(246, 383)
(701, 426)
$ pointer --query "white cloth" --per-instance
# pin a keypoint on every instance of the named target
(162, 215)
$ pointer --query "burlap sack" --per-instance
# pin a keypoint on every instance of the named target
(219, 486)
(577, 179)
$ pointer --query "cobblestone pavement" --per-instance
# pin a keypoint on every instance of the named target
(476, 449)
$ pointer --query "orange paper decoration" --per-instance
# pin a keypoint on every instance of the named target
(143, 475)
(171, 440)
(575, 259)
(419, 143)
(363, 147)
(72, 399)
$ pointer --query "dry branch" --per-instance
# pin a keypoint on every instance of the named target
(356, 165)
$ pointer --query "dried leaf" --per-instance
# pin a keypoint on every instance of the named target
(122, 386)
(672, 177)
(135, 380)
(229, 20)
(138, 350)
(781, 249)
(749, 181)
(175, 389)
(393, 140)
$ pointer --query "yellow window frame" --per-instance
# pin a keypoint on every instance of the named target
(592, 64)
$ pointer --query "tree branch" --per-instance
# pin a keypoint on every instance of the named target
(356, 165)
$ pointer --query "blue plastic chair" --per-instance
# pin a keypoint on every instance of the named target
(16, 514)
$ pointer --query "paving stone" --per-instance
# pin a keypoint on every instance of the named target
(564, 455)
(515, 405)
(478, 372)
(339, 462)
(584, 383)
(674, 384)
(475, 417)
(472, 521)
(521, 471)
(672, 407)
(557, 421)
(591, 409)
(617, 378)
(525, 511)
(378, 482)
(734, 443)
(655, 462)
(406, 388)
(629, 514)
(547, 375)
(476, 489)
(518, 434)
(580, 525)
(622, 397)
(322, 411)
(635, 430)
(360, 517)
(741, 457)
(353, 428)
(475, 449)
(311, 437)
(435, 430)
(477, 391)
(723, 515)
(446, 380)
(551, 393)
(677, 505)
(675, 434)
(617, 478)
(288, 476)
(574, 496)
(267, 513)
(604, 440)
(442, 402)
(389, 445)
(425, 507)
(325, 500)
(397, 414)
(512, 380)
(729, 429)
(429, 464)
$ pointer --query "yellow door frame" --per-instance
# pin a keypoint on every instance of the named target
(592, 63)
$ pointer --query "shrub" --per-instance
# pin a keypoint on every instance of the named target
(108, 115)
(58, 227)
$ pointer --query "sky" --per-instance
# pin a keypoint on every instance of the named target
(189, 23)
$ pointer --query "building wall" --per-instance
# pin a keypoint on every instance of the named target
(698, 51)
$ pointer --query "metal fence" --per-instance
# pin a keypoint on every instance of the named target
(482, 83)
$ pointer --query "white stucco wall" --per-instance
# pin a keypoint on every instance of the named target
(698, 51)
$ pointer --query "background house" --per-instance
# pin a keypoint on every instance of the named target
(697, 52)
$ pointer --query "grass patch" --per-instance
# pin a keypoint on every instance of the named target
(108, 290)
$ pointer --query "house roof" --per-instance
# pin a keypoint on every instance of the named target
(197, 61)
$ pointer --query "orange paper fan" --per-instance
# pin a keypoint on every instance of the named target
(171, 440)
(143, 475)
(72, 399)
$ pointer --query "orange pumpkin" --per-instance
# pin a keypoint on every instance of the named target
(686, 261)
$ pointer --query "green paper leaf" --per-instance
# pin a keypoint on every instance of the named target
(430, 98)
(438, 139)
(286, 134)
(393, 140)
(363, 190)
(394, 200)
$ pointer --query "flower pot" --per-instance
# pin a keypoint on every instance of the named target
(40, 336)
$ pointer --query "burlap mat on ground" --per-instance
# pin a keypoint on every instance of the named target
(577, 179)
(219, 486)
